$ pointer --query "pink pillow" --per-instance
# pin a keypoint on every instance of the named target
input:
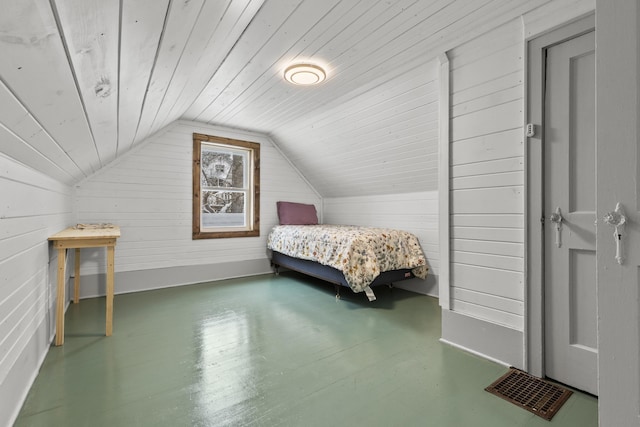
(291, 213)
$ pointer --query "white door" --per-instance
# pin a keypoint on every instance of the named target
(618, 175)
(570, 296)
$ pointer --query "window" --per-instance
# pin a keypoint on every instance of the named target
(226, 184)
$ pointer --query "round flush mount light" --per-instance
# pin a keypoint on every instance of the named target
(304, 74)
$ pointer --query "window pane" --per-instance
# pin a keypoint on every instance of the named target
(223, 168)
(223, 209)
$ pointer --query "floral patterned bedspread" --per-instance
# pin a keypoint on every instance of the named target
(361, 253)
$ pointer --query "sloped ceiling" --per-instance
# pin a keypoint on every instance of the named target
(83, 81)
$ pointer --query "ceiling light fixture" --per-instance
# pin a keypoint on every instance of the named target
(304, 74)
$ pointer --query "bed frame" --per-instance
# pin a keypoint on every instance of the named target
(333, 275)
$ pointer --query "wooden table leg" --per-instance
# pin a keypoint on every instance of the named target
(76, 279)
(110, 265)
(62, 254)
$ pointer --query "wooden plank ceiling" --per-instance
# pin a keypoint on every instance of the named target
(84, 81)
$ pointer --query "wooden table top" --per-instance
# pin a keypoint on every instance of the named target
(88, 231)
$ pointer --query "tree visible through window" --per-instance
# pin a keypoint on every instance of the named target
(226, 182)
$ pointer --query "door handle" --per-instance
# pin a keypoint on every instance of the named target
(557, 219)
(617, 219)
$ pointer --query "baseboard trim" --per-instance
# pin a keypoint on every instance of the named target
(475, 353)
(94, 285)
(494, 342)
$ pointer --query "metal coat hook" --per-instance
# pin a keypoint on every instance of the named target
(618, 220)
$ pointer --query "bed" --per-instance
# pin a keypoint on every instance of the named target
(345, 255)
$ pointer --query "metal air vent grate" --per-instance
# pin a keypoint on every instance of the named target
(531, 393)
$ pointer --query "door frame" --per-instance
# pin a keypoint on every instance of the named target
(534, 347)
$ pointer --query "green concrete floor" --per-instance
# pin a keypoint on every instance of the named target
(270, 351)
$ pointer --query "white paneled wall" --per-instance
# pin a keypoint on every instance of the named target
(413, 212)
(148, 193)
(383, 141)
(487, 177)
(33, 207)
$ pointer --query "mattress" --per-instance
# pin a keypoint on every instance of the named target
(360, 253)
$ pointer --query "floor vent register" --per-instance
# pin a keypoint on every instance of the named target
(536, 395)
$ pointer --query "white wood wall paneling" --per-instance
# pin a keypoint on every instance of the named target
(486, 247)
(486, 181)
(375, 145)
(411, 126)
(177, 29)
(491, 120)
(408, 172)
(214, 34)
(34, 207)
(156, 229)
(381, 186)
(142, 27)
(25, 323)
(488, 167)
(380, 216)
(489, 146)
(21, 241)
(91, 32)
(554, 14)
(470, 75)
(503, 304)
(417, 203)
(270, 31)
(492, 281)
(16, 147)
(310, 132)
(492, 220)
(470, 94)
(384, 156)
(383, 165)
(497, 316)
(410, 134)
(418, 83)
(496, 98)
(487, 19)
(407, 131)
(395, 98)
(515, 235)
(18, 268)
(25, 293)
(25, 140)
(496, 39)
(502, 262)
(502, 200)
(49, 201)
(422, 204)
(397, 171)
(487, 177)
(17, 314)
(38, 73)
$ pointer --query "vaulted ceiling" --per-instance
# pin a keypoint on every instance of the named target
(84, 81)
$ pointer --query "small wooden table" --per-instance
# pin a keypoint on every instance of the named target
(83, 236)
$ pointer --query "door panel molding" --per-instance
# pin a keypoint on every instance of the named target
(534, 189)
